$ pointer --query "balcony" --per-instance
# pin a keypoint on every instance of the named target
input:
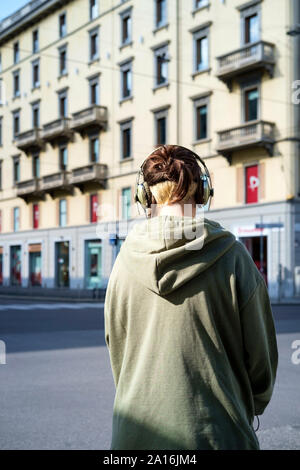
(29, 140)
(57, 130)
(94, 117)
(255, 56)
(93, 175)
(249, 135)
(30, 190)
(57, 183)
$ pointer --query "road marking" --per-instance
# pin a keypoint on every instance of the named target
(56, 306)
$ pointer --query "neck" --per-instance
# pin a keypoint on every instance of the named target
(188, 209)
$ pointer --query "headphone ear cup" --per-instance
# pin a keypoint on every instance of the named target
(141, 195)
(206, 191)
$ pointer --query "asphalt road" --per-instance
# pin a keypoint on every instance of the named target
(57, 390)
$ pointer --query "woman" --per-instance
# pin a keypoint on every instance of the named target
(188, 324)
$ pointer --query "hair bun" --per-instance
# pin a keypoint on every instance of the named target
(176, 165)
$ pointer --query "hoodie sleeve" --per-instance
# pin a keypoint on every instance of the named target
(114, 331)
(260, 345)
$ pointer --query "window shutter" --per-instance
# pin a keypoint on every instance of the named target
(87, 207)
(119, 208)
(262, 181)
(99, 197)
(57, 212)
(67, 210)
(240, 184)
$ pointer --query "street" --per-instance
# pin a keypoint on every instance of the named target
(57, 390)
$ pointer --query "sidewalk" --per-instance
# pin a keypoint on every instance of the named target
(53, 294)
(86, 295)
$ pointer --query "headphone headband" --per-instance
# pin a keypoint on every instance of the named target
(143, 194)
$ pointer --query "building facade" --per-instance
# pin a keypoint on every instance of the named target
(88, 88)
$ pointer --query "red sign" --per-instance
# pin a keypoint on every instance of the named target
(252, 184)
(94, 207)
(35, 216)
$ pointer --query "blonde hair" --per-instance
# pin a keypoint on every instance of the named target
(164, 191)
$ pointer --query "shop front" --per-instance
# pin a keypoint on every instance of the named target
(62, 260)
(93, 267)
(35, 264)
(258, 249)
(15, 265)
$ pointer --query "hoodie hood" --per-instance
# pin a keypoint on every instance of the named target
(166, 251)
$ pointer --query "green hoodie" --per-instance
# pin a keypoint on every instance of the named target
(191, 338)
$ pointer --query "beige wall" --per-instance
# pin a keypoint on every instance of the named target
(225, 107)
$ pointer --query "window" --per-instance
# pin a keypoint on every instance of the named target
(125, 27)
(251, 29)
(16, 170)
(16, 82)
(251, 104)
(16, 123)
(161, 66)
(35, 216)
(93, 208)
(36, 73)
(93, 9)
(126, 80)
(36, 165)
(201, 117)
(94, 44)
(94, 149)
(63, 158)
(94, 90)
(252, 184)
(16, 52)
(62, 25)
(250, 24)
(35, 41)
(16, 215)
(200, 4)
(160, 120)
(35, 114)
(62, 212)
(160, 13)
(126, 128)
(126, 203)
(201, 109)
(201, 60)
(62, 104)
(62, 60)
